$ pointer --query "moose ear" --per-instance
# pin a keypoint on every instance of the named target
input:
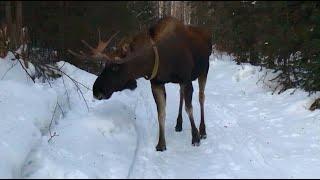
(131, 84)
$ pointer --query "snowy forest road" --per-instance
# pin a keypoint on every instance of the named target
(251, 133)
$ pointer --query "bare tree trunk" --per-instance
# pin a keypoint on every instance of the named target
(156, 7)
(14, 25)
(181, 11)
(9, 21)
(19, 21)
(161, 9)
(172, 13)
(167, 10)
(8, 12)
(177, 10)
(62, 5)
(187, 13)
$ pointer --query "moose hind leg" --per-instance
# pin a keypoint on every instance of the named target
(159, 95)
(188, 90)
(178, 127)
(202, 83)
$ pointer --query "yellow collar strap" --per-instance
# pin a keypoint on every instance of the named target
(156, 60)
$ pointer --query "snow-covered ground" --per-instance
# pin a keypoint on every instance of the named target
(251, 133)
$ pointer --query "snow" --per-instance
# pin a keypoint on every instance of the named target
(23, 117)
(12, 70)
(251, 132)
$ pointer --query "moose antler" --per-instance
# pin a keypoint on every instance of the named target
(96, 53)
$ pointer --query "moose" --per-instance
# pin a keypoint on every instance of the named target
(169, 52)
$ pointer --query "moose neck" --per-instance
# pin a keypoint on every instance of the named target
(141, 64)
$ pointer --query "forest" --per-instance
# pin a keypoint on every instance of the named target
(85, 94)
(283, 35)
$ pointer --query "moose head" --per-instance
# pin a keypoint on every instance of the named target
(115, 75)
(113, 78)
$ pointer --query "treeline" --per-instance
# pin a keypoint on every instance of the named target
(283, 35)
(61, 25)
(280, 35)
(56, 26)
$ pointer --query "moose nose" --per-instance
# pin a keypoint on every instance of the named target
(98, 97)
(97, 92)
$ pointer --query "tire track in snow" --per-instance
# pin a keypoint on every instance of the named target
(238, 149)
(242, 138)
(229, 117)
(135, 151)
(142, 99)
(249, 142)
(137, 144)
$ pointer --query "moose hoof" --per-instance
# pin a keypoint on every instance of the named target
(203, 136)
(161, 148)
(196, 143)
(178, 128)
(179, 124)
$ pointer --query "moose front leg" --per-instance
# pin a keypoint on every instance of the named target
(159, 95)
(179, 119)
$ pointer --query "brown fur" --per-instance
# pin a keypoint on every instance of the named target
(183, 57)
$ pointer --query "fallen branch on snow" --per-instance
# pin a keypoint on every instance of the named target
(54, 133)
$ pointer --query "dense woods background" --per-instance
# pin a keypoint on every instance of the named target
(282, 35)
